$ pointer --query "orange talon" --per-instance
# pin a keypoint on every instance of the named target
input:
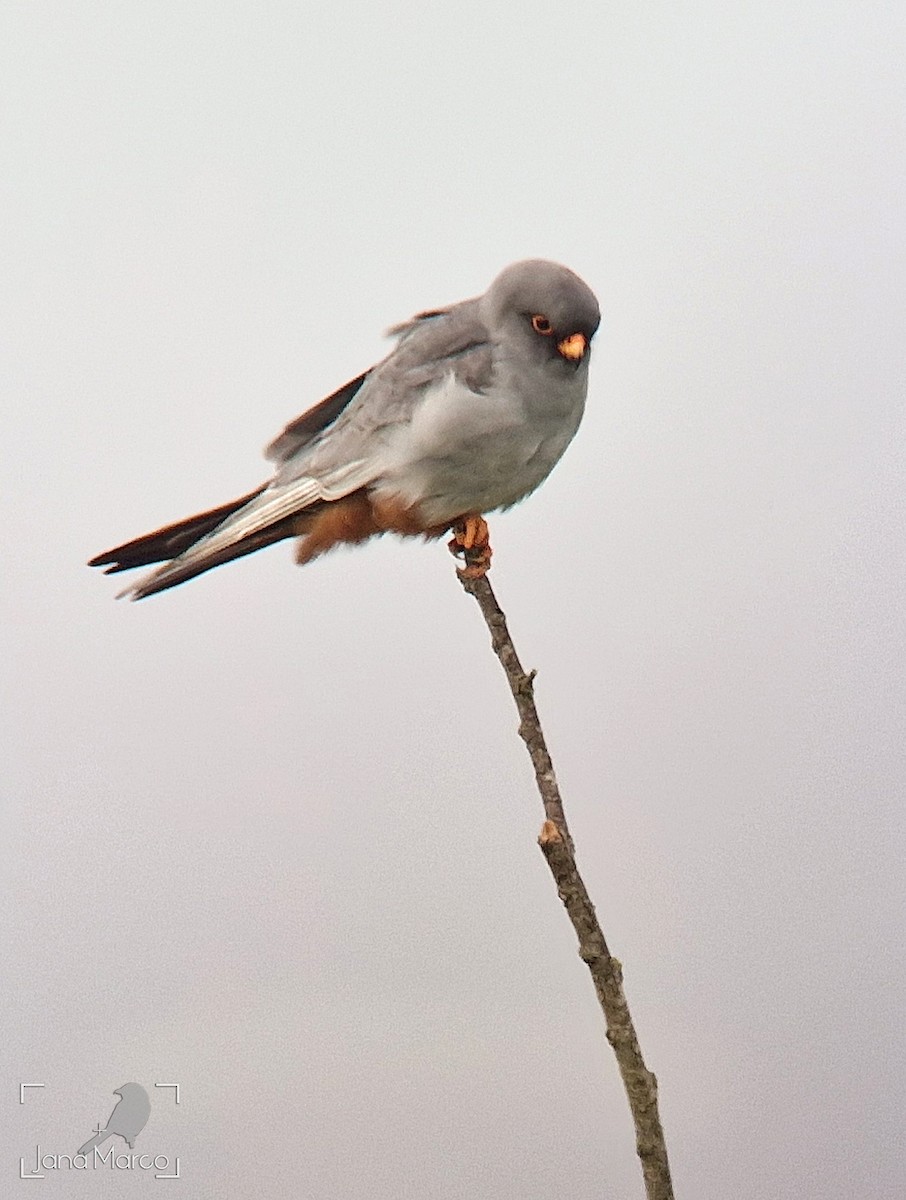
(471, 542)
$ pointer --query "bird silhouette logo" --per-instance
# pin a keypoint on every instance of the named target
(129, 1117)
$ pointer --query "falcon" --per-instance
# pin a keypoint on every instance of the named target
(468, 414)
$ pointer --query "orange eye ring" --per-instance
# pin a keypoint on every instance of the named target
(542, 325)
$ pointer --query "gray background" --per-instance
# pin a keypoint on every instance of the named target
(272, 835)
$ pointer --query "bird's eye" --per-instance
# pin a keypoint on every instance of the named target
(541, 324)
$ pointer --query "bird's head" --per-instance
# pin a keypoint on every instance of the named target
(548, 311)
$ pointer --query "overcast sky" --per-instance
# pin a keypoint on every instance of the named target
(271, 835)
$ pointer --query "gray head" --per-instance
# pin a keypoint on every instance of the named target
(544, 310)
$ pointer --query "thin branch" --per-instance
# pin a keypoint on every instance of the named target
(558, 849)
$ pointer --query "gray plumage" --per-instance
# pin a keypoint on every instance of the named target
(467, 414)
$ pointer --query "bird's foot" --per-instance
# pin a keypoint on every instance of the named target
(471, 543)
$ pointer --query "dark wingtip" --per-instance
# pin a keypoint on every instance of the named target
(110, 561)
(169, 545)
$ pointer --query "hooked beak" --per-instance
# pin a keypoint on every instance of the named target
(573, 347)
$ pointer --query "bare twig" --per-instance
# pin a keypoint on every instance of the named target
(557, 846)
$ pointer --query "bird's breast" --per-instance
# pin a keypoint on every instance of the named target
(467, 451)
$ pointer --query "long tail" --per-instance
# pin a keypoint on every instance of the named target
(95, 1141)
(275, 511)
(171, 541)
